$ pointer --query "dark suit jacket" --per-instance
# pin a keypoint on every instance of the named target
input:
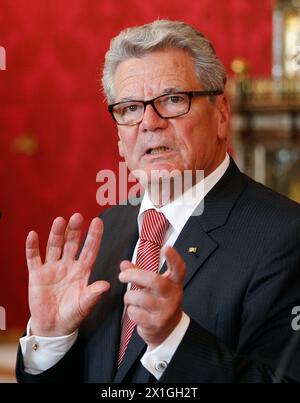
(239, 290)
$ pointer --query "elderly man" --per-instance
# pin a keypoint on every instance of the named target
(171, 296)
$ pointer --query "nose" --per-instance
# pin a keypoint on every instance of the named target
(151, 120)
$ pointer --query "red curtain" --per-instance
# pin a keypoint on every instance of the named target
(55, 132)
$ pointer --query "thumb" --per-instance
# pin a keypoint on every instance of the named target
(91, 296)
(176, 266)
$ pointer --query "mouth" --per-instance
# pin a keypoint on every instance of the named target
(157, 150)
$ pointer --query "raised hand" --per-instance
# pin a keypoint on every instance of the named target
(59, 296)
(155, 306)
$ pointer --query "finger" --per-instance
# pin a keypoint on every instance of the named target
(32, 251)
(92, 243)
(139, 316)
(56, 240)
(176, 266)
(143, 299)
(91, 296)
(141, 278)
(72, 236)
(126, 264)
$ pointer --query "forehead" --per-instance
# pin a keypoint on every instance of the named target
(152, 74)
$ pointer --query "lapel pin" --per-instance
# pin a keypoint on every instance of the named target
(193, 249)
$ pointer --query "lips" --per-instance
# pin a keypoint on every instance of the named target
(157, 150)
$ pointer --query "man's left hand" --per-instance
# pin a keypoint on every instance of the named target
(155, 306)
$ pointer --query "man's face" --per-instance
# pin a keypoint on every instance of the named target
(195, 141)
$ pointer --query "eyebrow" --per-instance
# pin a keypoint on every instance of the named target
(172, 89)
(168, 90)
(126, 99)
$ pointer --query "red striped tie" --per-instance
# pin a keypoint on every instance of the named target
(153, 231)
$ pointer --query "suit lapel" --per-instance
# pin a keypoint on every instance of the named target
(193, 236)
(134, 350)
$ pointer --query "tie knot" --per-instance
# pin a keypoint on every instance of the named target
(154, 226)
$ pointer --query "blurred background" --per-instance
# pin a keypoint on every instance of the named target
(56, 134)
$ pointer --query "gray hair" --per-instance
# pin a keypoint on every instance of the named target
(162, 34)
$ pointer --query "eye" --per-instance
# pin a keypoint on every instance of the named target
(129, 108)
(175, 99)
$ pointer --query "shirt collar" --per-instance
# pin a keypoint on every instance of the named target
(179, 211)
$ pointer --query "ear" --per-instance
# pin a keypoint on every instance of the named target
(223, 110)
(121, 149)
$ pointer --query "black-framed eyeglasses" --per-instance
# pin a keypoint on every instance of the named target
(167, 106)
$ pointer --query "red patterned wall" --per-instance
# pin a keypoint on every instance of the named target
(50, 94)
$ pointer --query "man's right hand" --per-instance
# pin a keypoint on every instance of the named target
(59, 294)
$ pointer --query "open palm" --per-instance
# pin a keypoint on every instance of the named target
(59, 294)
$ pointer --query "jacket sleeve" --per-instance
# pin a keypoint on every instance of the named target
(67, 370)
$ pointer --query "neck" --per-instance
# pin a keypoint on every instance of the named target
(164, 191)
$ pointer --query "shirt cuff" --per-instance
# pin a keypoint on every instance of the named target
(157, 360)
(41, 353)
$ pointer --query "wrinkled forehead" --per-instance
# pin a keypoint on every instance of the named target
(150, 75)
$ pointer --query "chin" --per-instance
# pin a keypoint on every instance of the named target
(163, 166)
(162, 173)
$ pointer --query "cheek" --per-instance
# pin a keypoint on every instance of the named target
(121, 149)
(126, 141)
(197, 147)
(192, 140)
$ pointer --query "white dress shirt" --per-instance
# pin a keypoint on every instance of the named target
(41, 353)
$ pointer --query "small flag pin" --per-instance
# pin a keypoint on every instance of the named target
(193, 249)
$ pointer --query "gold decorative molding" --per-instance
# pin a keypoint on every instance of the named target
(25, 144)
